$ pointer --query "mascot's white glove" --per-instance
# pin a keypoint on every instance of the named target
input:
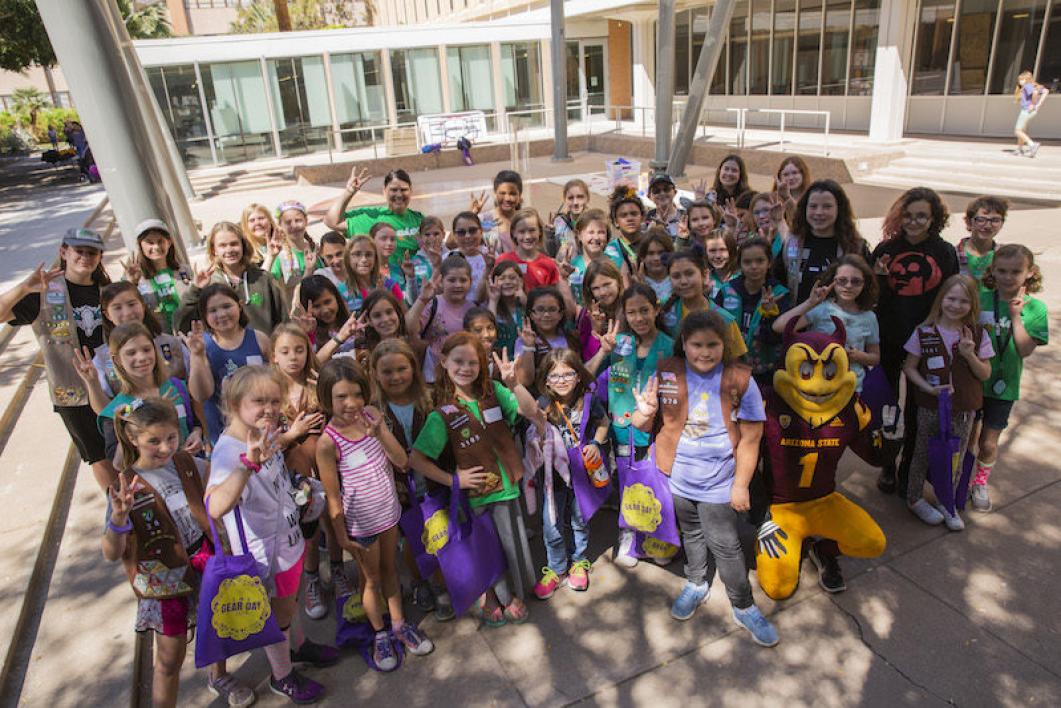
(769, 539)
(891, 423)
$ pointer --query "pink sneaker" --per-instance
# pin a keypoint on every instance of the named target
(549, 583)
(578, 576)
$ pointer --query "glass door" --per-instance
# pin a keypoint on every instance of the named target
(573, 57)
(593, 68)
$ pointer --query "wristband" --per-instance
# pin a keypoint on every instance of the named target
(596, 443)
(246, 462)
(121, 530)
(338, 340)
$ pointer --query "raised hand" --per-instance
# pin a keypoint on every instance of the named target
(309, 257)
(84, 366)
(433, 251)
(194, 340)
(966, 344)
(132, 269)
(768, 302)
(781, 189)
(408, 267)
(491, 254)
(372, 419)
(493, 290)
(1016, 304)
(881, 266)
(819, 292)
(37, 281)
(683, 226)
(478, 202)
(200, 278)
(431, 288)
(122, 499)
(607, 340)
(262, 444)
(505, 368)
(730, 217)
(648, 398)
(306, 321)
(600, 320)
(700, 189)
(353, 326)
(527, 334)
(358, 178)
(305, 422)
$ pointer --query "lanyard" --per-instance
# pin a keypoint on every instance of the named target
(560, 409)
(1001, 343)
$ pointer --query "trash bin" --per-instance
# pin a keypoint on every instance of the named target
(622, 171)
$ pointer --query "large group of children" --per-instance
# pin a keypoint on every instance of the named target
(533, 365)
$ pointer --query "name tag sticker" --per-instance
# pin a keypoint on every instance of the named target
(935, 362)
(253, 360)
(358, 457)
(492, 415)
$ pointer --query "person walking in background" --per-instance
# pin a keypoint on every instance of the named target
(1030, 94)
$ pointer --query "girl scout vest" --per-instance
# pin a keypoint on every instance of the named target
(794, 255)
(56, 334)
(155, 558)
(624, 378)
(483, 443)
(940, 367)
(674, 406)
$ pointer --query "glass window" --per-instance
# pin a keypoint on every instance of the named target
(177, 93)
(573, 75)
(682, 57)
(235, 94)
(1018, 39)
(738, 50)
(864, 47)
(784, 44)
(759, 64)
(471, 83)
(300, 104)
(976, 27)
(417, 82)
(522, 78)
(932, 48)
(358, 84)
(810, 28)
(1050, 61)
(834, 48)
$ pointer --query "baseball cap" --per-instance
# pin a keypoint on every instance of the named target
(151, 225)
(290, 204)
(85, 238)
(659, 177)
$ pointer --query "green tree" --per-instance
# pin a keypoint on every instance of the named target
(260, 15)
(29, 100)
(149, 21)
(23, 41)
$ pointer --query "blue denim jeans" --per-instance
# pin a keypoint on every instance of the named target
(554, 530)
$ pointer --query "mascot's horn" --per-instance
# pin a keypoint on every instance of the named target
(841, 331)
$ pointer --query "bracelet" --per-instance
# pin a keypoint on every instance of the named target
(121, 530)
(251, 466)
(338, 340)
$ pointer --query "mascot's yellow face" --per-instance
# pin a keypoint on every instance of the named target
(815, 384)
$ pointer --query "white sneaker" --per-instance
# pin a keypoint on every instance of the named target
(953, 521)
(311, 598)
(980, 498)
(924, 511)
(1034, 148)
(624, 552)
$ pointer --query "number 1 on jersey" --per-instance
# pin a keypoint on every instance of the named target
(807, 463)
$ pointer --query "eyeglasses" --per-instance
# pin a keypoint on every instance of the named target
(917, 218)
(467, 232)
(545, 311)
(853, 282)
(985, 220)
(560, 378)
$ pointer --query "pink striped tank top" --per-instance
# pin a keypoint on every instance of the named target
(370, 502)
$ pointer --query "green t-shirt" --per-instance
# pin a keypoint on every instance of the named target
(434, 438)
(407, 226)
(1008, 365)
(972, 265)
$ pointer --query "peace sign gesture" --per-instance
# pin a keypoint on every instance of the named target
(408, 267)
(881, 266)
(299, 316)
(700, 189)
(819, 292)
(37, 281)
(505, 368)
(600, 320)
(84, 366)
(1016, 303)
(200, 278)
(768, 302)
(353, 326)
(132, 269)
(491, 254)
(357, 179)
(648, 398)
(478, 203)
(527, 335)
(607, 340)
(966, 345)
(431, 287)
(122, 499)
(194, 339)
(781, 189)
(372, 419)
(262, 444)
(730, 217)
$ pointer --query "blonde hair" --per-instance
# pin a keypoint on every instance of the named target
(242, 382)
(228, 227)
(421, 396)
(972, 318)
(252, 208)
(290, 329)
(524, 215)
(122, 335)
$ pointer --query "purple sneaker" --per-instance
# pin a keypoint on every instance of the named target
(383, 652)
(316, 655)
(299, 689)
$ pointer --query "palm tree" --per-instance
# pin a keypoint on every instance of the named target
(149, 21)
(31, 100)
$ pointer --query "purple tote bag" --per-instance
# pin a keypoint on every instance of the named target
(234, 611)
(468, 549)
(412, 526)
(645, 501)
(943, 456)
(588, 496)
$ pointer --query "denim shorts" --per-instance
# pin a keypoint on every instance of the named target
(995, 413)
(366, 541)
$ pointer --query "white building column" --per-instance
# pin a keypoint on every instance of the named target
(891, 70)
(545, 57)
(644, 67)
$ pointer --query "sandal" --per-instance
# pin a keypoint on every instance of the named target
(491, 618)
(516, 612)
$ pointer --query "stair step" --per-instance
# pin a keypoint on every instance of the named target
(1031, 187)
(962, 187)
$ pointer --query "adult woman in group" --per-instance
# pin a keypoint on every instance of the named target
(398, 191)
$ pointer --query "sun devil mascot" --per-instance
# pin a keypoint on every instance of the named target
(814, 415)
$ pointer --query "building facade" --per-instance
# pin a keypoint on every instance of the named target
(882, 67)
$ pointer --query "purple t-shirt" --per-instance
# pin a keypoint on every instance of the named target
(704, 464)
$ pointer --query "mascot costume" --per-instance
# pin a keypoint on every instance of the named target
(812, 416)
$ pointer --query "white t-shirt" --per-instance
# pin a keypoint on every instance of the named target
(267, 505)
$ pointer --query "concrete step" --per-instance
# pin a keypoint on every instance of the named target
(964, 182)
(1038, 168)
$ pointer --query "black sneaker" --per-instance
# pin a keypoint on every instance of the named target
(829, 575)
(886, 480)
(316, 655)
(423, 598)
